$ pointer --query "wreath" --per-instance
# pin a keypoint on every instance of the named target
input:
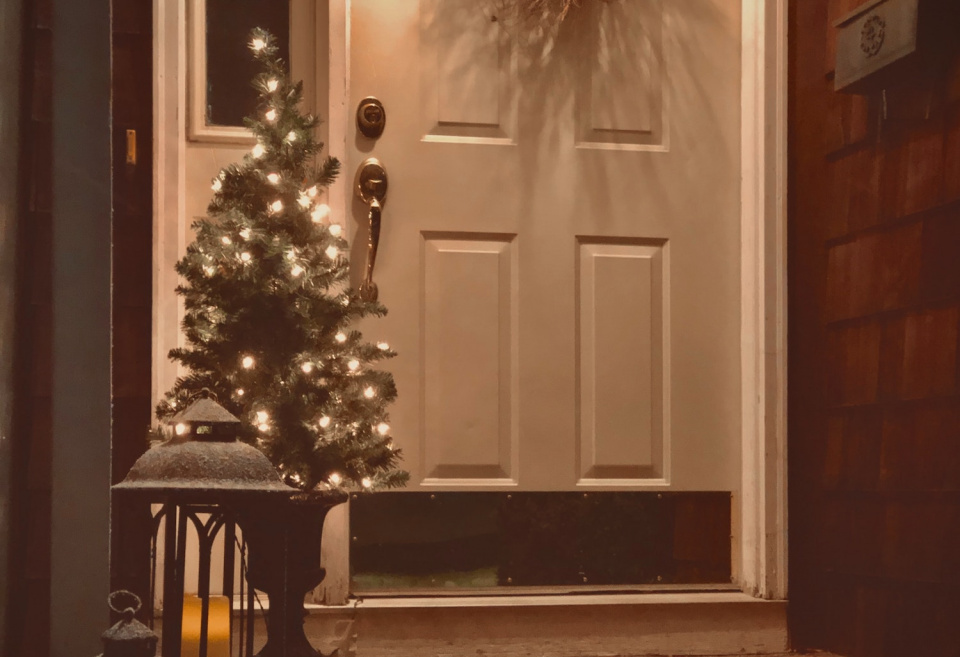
(536, 12)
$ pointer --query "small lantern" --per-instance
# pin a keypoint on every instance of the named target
(207, 421)
(129, 637)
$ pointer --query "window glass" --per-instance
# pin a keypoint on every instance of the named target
(230, 68)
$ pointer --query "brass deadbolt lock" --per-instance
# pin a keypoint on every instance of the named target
(371, 117)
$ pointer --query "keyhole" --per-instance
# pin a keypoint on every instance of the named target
(372, 114)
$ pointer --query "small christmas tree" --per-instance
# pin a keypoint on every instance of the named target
(268, 307)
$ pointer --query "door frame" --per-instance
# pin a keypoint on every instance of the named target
(760, 507)
(763, 225)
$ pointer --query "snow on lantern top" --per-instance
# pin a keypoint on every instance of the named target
(203, 462)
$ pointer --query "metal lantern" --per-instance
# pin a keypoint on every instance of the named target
(129, 637)
(203, 478)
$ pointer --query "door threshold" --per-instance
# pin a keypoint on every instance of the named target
(554, 600)
(503, 591)
(576, 625)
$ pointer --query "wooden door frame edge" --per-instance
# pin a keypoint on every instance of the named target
(762, 568)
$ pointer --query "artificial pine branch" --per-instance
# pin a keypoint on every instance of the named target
(268, 310)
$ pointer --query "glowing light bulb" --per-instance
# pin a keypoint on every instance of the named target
(353, 365)
(369, 392)
(291, 136)
(208, 270)
(247, 362)
(321, 212)
(297, 270)
(225, 240)
(245, 256)
(324, 422)
(276, 206)
(332, 252)
(264, 427)
(245, 233)
(312, 191)
(217, 185)
(335, 479)
(239, 392)
(274, 178)
(383, 428)
(181, 429)
(307, 367)
(304, 201)
(366, 483)
(258, 151)
(272, 85)
(335, 229)
(382, 346)
(340, 337)
(271, 115)
(262, 416)
(258, 44)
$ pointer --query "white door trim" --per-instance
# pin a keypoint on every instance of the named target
(763, 497)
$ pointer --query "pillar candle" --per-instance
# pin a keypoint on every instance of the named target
(218, 627)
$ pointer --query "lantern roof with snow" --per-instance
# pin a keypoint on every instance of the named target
(203, 462)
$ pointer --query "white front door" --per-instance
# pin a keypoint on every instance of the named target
(560, 250)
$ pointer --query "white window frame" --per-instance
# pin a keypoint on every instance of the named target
(302, 55)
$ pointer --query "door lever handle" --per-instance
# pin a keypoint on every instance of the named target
(371, 187)
(368, 289)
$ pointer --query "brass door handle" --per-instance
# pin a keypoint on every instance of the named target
(371, 188)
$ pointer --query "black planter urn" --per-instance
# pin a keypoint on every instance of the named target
(284, 563)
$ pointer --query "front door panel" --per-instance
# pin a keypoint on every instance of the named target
(560, 246)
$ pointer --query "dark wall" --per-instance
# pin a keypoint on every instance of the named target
(29, 569)
(30, 565)
(874, 401)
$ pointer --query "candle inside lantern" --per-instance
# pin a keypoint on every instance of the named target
(218, 627)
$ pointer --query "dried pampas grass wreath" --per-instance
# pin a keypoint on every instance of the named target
(537, 12)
